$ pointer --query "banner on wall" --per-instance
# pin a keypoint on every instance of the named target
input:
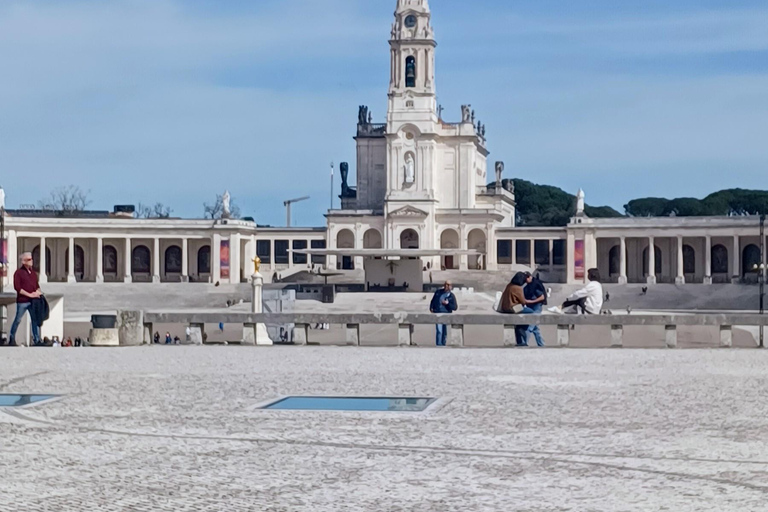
(578, 258)
(224, 257)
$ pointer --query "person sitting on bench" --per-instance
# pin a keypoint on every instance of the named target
(587, 301)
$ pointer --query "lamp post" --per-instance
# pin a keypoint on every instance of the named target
(761, 268)
(3, 257)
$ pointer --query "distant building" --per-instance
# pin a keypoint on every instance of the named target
(422, 183)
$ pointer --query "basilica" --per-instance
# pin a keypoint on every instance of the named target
(423, 184)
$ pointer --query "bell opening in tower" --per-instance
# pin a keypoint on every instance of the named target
(410, 72)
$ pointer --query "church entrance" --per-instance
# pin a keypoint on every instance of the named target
(448, 262)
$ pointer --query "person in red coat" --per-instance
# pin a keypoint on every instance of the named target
(27, 288)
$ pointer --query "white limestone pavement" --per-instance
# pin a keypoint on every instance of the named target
(173, 428)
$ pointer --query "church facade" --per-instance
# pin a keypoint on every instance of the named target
(421, 183)
(421, 180)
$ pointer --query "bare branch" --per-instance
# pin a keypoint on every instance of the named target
(158, 211)
(215, 210)
(69, 199)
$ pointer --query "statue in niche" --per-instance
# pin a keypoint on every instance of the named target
(410, 169)
(226, 205)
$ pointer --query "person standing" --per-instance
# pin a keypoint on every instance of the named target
(443, 301)
(27, 288)
(513, 303)
(536, 299)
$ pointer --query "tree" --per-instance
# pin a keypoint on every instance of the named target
(216, 210)
(544, 205)
(646, 207)
(69, 199)
(158, 211)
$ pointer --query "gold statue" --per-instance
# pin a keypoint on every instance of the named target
(256, 264)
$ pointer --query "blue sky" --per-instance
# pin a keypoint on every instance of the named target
(177, 100)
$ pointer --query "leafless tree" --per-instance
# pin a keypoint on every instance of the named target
(69, 199)
(158, 211)
(216, 210)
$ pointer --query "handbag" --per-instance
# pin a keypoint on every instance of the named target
(517, 309)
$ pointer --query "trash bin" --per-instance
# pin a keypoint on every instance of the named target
(103, 321)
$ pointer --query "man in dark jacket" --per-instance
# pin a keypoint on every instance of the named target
(443, 301)
(27, 289)
(536, 297)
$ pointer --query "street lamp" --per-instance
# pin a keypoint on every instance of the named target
(3, 256)
(761, 270)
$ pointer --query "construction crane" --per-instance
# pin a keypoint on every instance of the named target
(288, 204)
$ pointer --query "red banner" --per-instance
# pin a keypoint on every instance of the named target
(224, 258)
(578, 258)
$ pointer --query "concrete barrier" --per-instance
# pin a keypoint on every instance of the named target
(405, 323)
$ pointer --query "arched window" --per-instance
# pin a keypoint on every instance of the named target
(409, 239)
(36, 260)
(689, 260)
(656, 256)
(750, 258)
(410, 71)
(140, 260)
(204, 260)
(79, 261)
(173, 260)
(719, 259)
(109, 259)
(614, 261)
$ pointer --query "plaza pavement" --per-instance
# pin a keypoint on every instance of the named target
(175, 429)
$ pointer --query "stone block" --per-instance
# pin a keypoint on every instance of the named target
(617, 336)
(195, 334)
(456, 335)
(509, 336)
(249, 334)
(405, 335)
(301, 334)
(104, 338)
(130, 328)
(353, 334)
(726, 336)
(563, 335)
(670, 335)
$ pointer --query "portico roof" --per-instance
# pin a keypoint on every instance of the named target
(389, 253)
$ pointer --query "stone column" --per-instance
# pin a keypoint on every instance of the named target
(651, 261)
(184, 260)
(623, 260)
(99, 260)
(463, 245)
(532, 252)
(127, 275)
(680, 279)
(234, 258)
(261, 336)
(570, 266)
(43, 277)
(736, 260)
(272, 255)
(551, 253)
(156, 261)
(513, 251)
(708, 261)
(216, 258)
(71, 262)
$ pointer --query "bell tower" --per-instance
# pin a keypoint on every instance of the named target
(412, 63)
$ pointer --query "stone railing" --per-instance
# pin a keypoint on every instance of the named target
(136, 327)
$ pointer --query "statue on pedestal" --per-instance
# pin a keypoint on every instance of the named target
(256, 265)
(499, 171)
(362, 115)
(580, 202)
(466, 113)
(226, 211)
